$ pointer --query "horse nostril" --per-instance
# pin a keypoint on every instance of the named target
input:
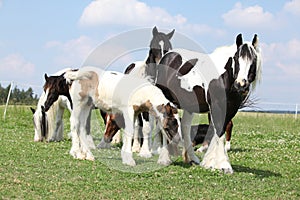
(243, 82)
(237, 85)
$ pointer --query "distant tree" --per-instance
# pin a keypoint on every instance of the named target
(18, 97)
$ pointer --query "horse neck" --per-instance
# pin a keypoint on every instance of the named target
(150, 58)
(221, 54)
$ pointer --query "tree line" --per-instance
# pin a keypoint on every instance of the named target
(17, 96)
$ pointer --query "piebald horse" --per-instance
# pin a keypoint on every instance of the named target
(198, 83)
(113, 92)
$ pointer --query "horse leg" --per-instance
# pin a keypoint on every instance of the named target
(59, 125)
(156, 147)
(136, 143)
(84, 140)
(126, 152)
(74, 125)
(89, 137)
(205, 143)
(228, 135)
(188, 152)
(147, 130)
(164, 156)
(216, 157)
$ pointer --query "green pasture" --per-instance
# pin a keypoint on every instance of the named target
(265, 157)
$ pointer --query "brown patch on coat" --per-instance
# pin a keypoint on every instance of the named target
(145, 107)
(89, 84)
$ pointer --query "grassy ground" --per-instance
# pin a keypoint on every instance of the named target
(265, 157)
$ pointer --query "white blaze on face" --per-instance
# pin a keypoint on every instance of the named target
(161, 44)
(107, 120)
(244, 69)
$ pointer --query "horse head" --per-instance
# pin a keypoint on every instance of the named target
(113, 123)
(159, 45)
(247, 63)
(53, 87)
(170, 123)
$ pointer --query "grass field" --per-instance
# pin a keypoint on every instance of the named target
(265, 157)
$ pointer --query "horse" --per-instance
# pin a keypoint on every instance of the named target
(159, 45)
(198, 83)
(50, 126)
(112, 92)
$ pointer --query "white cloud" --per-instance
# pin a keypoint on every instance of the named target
(73, 52)
(136, 13)
(14, 66)
(126, 12)
(249, 17)
(293, 7)
(282, 59)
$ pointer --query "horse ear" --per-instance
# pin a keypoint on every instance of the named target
(170, 35)
(255, 41)
(228, 65)
(46, 77)
(174, 110)
(187, 67)
(32, 110)
(239, 40)
(154, 31)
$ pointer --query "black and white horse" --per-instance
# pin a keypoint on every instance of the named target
(218, 83)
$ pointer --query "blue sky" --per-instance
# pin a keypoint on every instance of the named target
(46, 36)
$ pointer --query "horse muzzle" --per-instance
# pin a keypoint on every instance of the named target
(241, 86)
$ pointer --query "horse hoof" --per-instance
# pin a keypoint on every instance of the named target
(228, 171)
(227, 146)
(90, 157)
(145, 154)
(129, 163)
(80, 156)
(202, 149)
(135, 149)
(127, 158)
(164, 162)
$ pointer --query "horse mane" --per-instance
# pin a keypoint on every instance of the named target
(258, 78)
(50, 119)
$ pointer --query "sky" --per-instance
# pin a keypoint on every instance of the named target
(38, 37)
